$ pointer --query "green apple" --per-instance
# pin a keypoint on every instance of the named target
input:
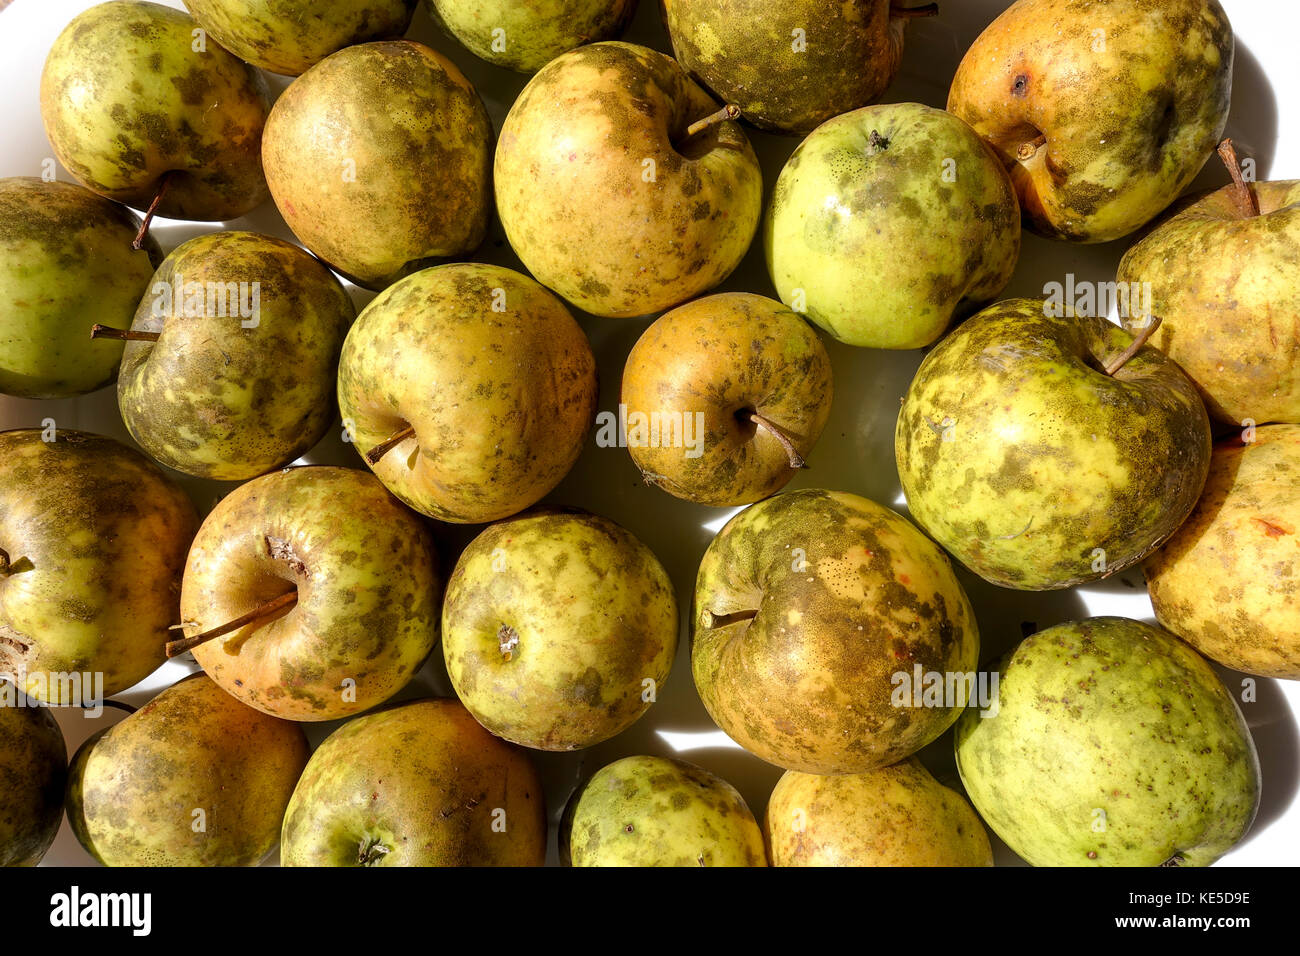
(291, 36)
(1226, 582)
(791, 66)
(420, 784)
(469, 389)
(1103, 110)
(310, 594)
(653, 811)
(525, 36)
(33, 768)
(620, 184)
(812, 610)
(724, 398)
(193, 778)
(893, 816)
(141, 106)
(92, 543)
(1042, 451)
(66, 263)
(379, 158)
(559, 629)
(889, 221)
(1114, 744)
(239, 377)
(1223, 275)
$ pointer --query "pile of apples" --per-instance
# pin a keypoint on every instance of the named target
(1039, 444)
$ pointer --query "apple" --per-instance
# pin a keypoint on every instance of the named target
(33, 766)
(526, 36)
(620, 183)
(1045, 450)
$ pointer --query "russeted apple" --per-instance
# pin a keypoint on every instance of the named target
(416, 784)
(93, 538)
(559, 629)
(33, 766)
(1224, 272)
(469, 390)
(1103, 110)
(526, 36)
(379, 158)
(621, 184)
(310, 593)
(1043, 451)
(731, 393)
(810, 610)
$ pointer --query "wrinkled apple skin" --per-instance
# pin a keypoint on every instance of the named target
(654, 811)
(1226, 582)
(582, 205)
(1131, 96)
(1114, 744)
(1033, 467)
(534, 31)
(889, 221)
(1228, 293)
(127, 100)
(847, 595)
(33, 772)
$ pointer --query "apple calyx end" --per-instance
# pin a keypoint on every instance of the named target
(507, 642)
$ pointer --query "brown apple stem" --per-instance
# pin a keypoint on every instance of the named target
(796, 460)
(388, 444)
(1242, 195)
(1030, 146)
(4, 562)
(257, 615)
(729, 112)
(1132, 350)
(98, 331)
(912, 13)
(138, 242)
(507, 641)
(711, 620)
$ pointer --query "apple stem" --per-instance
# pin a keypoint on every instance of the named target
(138, 242)
(98, 331)
(912, 13)
(507, 641)
(1135, 347)
(1242, 195)
(371, 852)
(711, 620)
(388, 444)
(1030, 146)
(256, 616)
(796, 460)
(4, 562)
(729, 112)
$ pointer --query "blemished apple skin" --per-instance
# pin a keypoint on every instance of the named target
(1227, 291)
(218, 399)
(66, 263)
(193, 778)
(1226, 582)
(491, 371)
(94, 537)
(417, 784)
(289, 37)
(594, 623)
(657, 811)
(844, 595)
(1114, 744)
(1131, 97)
(533, 32)
(603, 199)
(366, 573)
(866, 185)
(1031, 465)
(33, 773)
(126, 100)
(725, 356)
(892, 816)
(381, 193)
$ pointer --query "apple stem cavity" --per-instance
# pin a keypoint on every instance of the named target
(1242, 195)
(729, 112)
(1142, 338)
(257, 615)
(98, 331)
(796, 460)
(507, 641)
(388, 444)
(138, 242)
(913, 13)
(709, 620)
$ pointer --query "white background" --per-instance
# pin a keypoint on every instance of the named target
(855, 453)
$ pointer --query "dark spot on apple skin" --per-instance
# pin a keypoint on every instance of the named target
(1020, 86)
